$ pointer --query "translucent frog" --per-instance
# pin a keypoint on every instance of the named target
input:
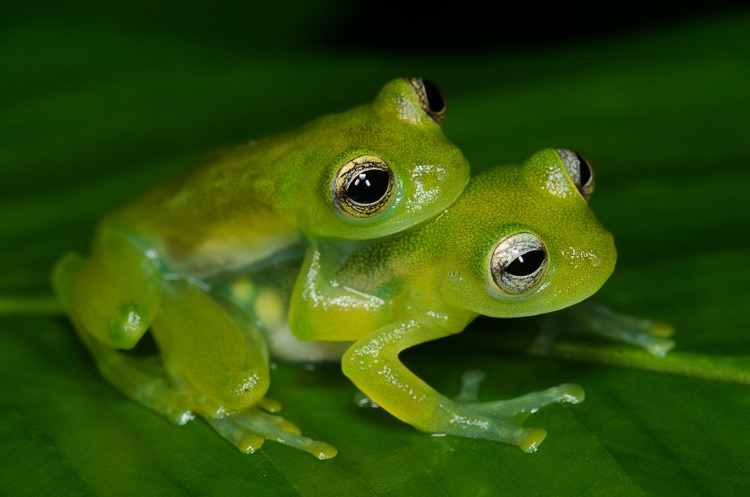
(365, 173)
(520, 241)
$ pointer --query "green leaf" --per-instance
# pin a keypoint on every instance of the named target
(93, 113)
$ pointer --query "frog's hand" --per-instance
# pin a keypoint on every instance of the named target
(590, 317)
(373, 365)
(114, 294)
(318, 307)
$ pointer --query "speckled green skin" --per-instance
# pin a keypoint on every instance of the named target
(239, 208)
(446, 261)
(248, 202)
(433, 280)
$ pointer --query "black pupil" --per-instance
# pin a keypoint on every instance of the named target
(368, 186)
(526, 264)
(434, 97)
(584, 169)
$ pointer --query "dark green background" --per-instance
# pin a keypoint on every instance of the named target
(97, 102)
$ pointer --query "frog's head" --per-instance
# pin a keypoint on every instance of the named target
(534, 244)
(376, 169)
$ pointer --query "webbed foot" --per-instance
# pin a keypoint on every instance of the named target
(499, 420)
(248, 429)
(590, 317)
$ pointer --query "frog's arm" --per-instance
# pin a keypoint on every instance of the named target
(323, 309)
(373, 365)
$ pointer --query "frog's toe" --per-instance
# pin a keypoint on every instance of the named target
(533, 437)
(658, 347)
(269, 405)
(247, 441)
(521, 407)
(253, 420)
(247, 430)
(568, 393)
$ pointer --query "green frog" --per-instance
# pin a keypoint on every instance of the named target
(365, 173)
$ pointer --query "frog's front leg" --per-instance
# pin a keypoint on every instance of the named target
(111, 299)
(373, 365)
(114, 294)
(320, 304)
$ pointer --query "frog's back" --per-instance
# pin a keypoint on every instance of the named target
(216, 214)
(361, 174)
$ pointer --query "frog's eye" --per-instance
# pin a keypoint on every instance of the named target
(429, 98)
(518, 263)
(363, 186)
(579, 170)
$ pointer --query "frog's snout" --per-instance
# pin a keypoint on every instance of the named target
(606, 256)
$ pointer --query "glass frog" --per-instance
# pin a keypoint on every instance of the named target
(364, 173)
(521, 240)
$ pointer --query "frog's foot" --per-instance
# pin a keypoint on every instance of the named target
(590, 317)
(178, 403)
(248, 429)
(141, 379)
(525, 405)
(502, 420)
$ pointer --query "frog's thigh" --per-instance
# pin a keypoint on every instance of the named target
(114, 294)
(201, 344)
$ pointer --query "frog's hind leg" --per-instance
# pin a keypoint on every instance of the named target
(144, 380)
(205, 348)
(140, 378)
(114, 294)
(214, 348)
(110, 299)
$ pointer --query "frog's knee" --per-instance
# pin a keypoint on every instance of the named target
(240, 391)
(63, 275)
